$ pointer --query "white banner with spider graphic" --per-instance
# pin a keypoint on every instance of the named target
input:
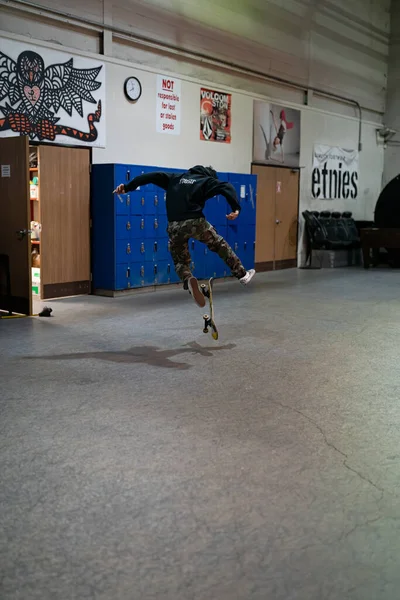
(276, 137)
(51, 96)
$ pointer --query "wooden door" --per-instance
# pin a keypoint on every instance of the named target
(277, 217)
(265, 222)
(286, 217)
(15, 217)
(65, 214)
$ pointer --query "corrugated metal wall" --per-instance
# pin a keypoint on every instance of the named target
(338, 45)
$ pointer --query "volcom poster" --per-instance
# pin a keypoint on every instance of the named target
(51, 96)
(215, 116)
(276, 138)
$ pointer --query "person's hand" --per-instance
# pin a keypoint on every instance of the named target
(120, 189)
(233, 215)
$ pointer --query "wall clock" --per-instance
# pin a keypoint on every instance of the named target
(133, 89)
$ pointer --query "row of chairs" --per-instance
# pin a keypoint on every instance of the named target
(328, 230)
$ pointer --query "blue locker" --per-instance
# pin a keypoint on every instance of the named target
(136, 270)
(123, 276)
(123, 252)
(149, 202)
(123, 226)
(122, 203)
(232, 234)
(161, 202)
(160, 226)
(161, 250)
(151, 226)
(142, 273)
(248, 202)
(136, 203)
(134, 250)
(138, 227)
(121, 174)
(150, 187)
(129, 237)
(165, 272)
(222, 209)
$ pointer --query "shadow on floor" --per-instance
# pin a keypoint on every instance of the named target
(150, 355)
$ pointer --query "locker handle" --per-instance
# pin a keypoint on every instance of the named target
(155, 200)
(142, 224)
(128, 272)
(155, 224)
(192, 244)
(128, 225)
(155, 269)
(142, 248)
(142, 201)
(155, 246)
(236, 245)
(128, 249)
(128, 200)
(128, 175)
(141, 271)
(169, 269)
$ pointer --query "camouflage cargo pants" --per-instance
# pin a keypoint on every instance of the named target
(199, 229)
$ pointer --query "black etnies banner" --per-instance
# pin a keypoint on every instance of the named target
(335, 173)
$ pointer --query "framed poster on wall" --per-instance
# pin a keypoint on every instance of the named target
(51, 96)
(335, 173)
(276, 137)
(215, 116)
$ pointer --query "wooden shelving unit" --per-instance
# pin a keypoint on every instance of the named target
(35, 216)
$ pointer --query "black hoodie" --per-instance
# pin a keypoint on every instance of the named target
(187, 193)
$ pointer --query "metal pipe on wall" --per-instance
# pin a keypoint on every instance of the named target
(190, 54)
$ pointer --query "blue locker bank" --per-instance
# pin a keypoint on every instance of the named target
(130, 246)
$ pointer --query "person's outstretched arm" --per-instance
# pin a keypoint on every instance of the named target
(215, 187)
(158, 178)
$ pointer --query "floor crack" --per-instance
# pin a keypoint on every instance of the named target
(331, 445)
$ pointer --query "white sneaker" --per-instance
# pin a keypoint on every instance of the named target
(248, 277)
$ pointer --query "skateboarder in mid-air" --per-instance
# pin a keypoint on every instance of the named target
(187, 194)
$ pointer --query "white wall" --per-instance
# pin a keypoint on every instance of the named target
(333, 130)
(131, 129)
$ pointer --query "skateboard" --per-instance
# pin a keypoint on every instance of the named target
(209, 319)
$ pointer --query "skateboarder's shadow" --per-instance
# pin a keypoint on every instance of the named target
(150, 355)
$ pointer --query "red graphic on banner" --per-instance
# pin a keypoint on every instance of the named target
(215, 116)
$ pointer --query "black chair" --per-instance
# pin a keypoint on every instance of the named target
(316, 234)
(352, 229)
(5, 282)
(325, 232)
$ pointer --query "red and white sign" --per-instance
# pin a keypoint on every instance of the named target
(168, 105)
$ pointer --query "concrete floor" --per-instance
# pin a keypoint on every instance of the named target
(141, 460)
